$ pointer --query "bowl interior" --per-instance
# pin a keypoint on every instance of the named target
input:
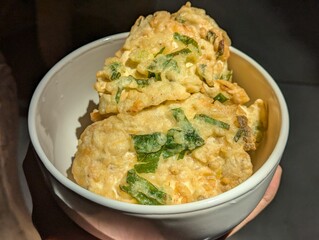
(60, 106)
(65, 98)
(258, 84)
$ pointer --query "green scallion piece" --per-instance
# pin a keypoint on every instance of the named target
(220, 97)
(212, 121)
(160, 51)
(118, 94)
(186, 40)
(115, 74)
(142, 190)
(179, 52)
(238, 134)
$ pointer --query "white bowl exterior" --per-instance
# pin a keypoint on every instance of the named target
(59, 101)
(210, 223)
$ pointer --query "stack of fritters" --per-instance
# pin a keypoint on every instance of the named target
(171, 126)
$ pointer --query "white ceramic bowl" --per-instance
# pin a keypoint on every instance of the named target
(58, 112)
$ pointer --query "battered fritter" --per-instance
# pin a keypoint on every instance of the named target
(171, 126)
(166, 57)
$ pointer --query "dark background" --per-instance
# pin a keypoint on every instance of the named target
(283, 36)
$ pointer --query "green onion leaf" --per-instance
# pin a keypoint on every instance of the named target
(170, 63)
(142, 190)
(148, 143)
(173, 145)
(142, 82)
(212, 121)
(179, 52)
(159, 64)
(220, 97)
(181, 119)
(113, 67)
(202, 70)
(148, 148)
(186, 40)
(238, 134)
(156, 76)
(180, 19)
(189, 136)
(228, 76)
(118, 94)
(177, 141)
(147, 162)
(160, 51)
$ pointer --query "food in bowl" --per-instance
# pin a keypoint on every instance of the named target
(171, 126)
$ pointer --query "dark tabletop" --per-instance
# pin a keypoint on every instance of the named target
(283, 36)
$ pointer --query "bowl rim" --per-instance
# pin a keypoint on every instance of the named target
(247, 186)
